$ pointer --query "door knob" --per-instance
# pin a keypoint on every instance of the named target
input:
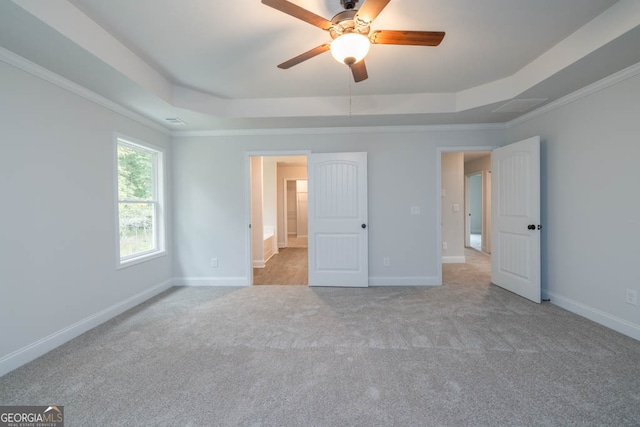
(364, 225)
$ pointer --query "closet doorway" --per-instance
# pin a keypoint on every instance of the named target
(296, 208)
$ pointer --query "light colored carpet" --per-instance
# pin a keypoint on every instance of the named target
(460, 354)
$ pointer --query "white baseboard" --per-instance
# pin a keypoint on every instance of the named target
(210, 281)
(34, 350)
(453, 260)
(257, 264)
(403, 281)
(605, 319)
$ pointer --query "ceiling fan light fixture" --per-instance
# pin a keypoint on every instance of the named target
(350, 48)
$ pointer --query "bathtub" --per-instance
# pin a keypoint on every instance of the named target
(269, 242)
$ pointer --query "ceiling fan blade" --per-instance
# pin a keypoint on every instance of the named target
(304, 56)
(370, 9)
(299, 12)
(359, 71)
(413, 38)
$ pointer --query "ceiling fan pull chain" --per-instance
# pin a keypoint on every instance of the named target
(350, 97)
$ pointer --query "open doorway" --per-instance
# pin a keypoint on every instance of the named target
(279, 254)
(465, 208)
(474, 213)
(477, 194)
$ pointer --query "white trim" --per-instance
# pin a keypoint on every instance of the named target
(139, 259)
(36, 349)
(258, 263)
(404, 281)
(49, 76)
(453, 260)
(210, 281)
(341, 130)
(159, 200)
(604, 83)
(605, 319)
(601, 84)
(38, 71)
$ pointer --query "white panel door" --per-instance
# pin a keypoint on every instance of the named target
(337, 213)
(515, 218)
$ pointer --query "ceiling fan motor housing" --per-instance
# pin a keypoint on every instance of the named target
(349, 4)
(345, 22)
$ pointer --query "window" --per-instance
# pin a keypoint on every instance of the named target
(140, 190)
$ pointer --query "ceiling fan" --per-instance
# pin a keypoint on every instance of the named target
(350, 31)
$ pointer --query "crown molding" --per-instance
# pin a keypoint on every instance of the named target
(36, 70)
(604, 83)
(23, 64)
(340, 130)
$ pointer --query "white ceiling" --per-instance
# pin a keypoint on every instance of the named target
(213, 63)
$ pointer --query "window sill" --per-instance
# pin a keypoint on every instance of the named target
(140, 259)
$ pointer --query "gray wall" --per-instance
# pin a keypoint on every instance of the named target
(58, 229)
(591, 203)
(210, 183)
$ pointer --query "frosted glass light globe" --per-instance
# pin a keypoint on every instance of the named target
(350, 48)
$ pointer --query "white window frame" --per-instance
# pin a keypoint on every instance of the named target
(159, 189)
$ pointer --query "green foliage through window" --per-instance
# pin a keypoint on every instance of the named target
(137, 204)
(135, 174)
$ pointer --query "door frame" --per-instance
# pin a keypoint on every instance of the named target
(247, 200)
(440, 151)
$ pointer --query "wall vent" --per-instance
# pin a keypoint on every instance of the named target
(176, 121)
(519, 105)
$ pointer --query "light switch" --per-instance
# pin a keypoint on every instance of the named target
(456, 207)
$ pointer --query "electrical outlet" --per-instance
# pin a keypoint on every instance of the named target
(386, 262)
(444, 246)
(632, 297)
(214, 262)
(415, 210)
